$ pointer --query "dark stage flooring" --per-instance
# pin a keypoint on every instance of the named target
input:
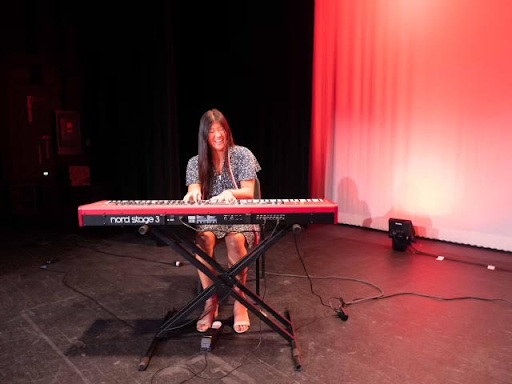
(81, 307)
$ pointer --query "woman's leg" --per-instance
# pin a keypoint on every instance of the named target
(235, 244)
(206, 242)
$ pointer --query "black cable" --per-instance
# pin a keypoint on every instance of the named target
(198, 374)
(423, 253)
(93, 248)
(138, 330)
(342, 303)
(246, 355)
(128, 257)
(381, 295)
(142, 331)
(307, 274)
(275, 227)
(195, 374)
(357, 301)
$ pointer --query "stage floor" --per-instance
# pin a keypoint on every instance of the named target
(81, 306)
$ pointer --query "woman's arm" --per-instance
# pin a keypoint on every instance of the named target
(246, 191)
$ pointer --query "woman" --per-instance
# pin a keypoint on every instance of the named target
(221, 172)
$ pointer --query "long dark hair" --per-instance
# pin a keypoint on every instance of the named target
(205, 162)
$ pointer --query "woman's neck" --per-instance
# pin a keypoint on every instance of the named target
(218, 160)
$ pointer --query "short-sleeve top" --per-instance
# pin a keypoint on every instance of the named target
(243, 165)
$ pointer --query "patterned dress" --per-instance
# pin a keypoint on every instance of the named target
(244, 167)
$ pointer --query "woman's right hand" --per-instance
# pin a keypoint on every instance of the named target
(193, 195)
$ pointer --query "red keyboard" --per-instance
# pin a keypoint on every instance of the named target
(176, 212)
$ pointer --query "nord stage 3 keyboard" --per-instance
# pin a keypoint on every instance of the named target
(177, 212)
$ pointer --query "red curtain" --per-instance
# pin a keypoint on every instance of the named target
(412, 115)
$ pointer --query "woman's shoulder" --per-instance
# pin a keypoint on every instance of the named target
(193, 163)
(243, 157)
(193, 159)
(238, 150)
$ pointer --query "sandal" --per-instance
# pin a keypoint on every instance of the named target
(210, 313)
(241, 318)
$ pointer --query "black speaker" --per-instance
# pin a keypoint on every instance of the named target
(401, 233)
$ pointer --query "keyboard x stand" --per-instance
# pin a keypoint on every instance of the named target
(224, 282)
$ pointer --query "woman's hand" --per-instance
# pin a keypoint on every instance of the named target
(226, 196)
(193, 195)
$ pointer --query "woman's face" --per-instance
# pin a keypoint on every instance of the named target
(217, 137)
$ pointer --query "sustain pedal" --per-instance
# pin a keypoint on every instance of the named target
(211, 336)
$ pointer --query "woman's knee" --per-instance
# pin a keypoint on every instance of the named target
(205, 240)
(235, 242)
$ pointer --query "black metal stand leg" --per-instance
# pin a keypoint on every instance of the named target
(144, 360)
(263, 256)
(294, 345)
(258, 277)
(183, 313)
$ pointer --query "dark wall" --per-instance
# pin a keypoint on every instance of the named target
(140, 77)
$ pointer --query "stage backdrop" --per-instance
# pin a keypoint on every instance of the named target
(412, 115)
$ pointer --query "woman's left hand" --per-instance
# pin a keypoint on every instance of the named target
(226, 196)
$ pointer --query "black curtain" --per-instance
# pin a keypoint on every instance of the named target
(151, 70)
(253, 61)
(141, 76)
(129, 109)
